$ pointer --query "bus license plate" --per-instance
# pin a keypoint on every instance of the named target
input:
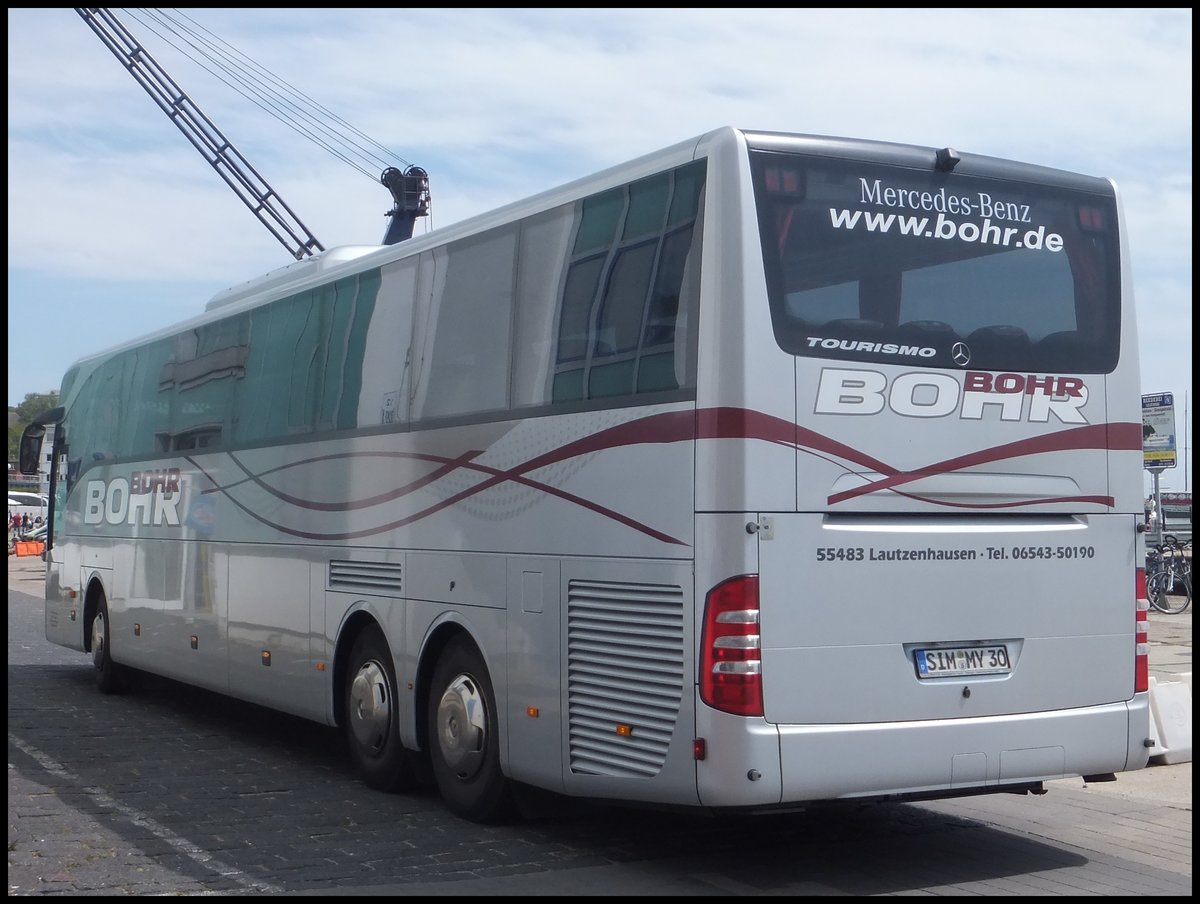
(949, 662)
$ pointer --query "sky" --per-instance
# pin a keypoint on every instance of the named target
(118, 227)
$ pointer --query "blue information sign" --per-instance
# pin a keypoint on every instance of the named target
(1158, 431)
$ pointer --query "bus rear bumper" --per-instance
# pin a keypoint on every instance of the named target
(928, 758)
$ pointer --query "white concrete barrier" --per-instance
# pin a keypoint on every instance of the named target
(1171, 717)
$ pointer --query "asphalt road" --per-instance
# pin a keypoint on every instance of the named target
(171, 790)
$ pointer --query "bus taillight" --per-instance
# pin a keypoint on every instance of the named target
(730, 650)
(1141, 662)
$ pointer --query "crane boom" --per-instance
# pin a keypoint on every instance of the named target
(229, 163)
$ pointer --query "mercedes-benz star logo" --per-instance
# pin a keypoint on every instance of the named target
(961, 354)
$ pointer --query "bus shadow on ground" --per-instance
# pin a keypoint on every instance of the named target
(275, 797)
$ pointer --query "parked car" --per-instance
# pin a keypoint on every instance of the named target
(35, 533)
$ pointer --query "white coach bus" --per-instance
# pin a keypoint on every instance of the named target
(762, 470)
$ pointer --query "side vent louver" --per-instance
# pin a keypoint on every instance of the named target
(624, 675)
(377, 578)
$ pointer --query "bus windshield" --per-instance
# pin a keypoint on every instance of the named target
(884, 263)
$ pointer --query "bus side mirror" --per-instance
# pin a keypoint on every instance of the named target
(31, 448)
(31, 439)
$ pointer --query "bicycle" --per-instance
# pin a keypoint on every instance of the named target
(1169, 575)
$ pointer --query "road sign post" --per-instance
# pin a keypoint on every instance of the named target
(1158, 445)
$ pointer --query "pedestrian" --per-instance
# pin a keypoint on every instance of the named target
(25, 521)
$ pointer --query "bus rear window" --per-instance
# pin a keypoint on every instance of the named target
(873, 263)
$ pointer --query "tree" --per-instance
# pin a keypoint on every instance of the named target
(20, 416)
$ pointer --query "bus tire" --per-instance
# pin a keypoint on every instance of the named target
(372, 714)
(110, 678)
(463, 737)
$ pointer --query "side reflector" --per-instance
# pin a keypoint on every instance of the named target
(1141, 640)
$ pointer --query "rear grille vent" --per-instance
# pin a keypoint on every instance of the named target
(624, 675)
(378, 578)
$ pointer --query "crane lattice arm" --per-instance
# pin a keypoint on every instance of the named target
(229, 163)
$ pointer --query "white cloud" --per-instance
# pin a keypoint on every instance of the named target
(498, 104)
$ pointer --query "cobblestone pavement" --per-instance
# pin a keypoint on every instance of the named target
(172, 791)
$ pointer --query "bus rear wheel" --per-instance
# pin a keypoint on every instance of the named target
(372, 715)
(464, 739)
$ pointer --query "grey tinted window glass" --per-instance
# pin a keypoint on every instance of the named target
(87, 416)
(361, 301)
(304, 364)
(641, 310)
(578, 295)
(685, 202)
(339, 304)
(568, 386)
(611, 379)
(825, 303)
(277, 340)
(1039, 295)
(259, 375)
(470, 322)
(598, 225)
(301, 364)
(148, 407)
(668, 282)
(647, 207)
(386, 364)
(544, 253)
(867, 262)
(624, 302)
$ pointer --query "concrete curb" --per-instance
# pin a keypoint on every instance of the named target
(1171, 715)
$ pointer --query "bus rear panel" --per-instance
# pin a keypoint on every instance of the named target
(921, 395)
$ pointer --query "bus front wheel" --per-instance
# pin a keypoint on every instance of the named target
(463, 736)
(109, 677)
(372, 715)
